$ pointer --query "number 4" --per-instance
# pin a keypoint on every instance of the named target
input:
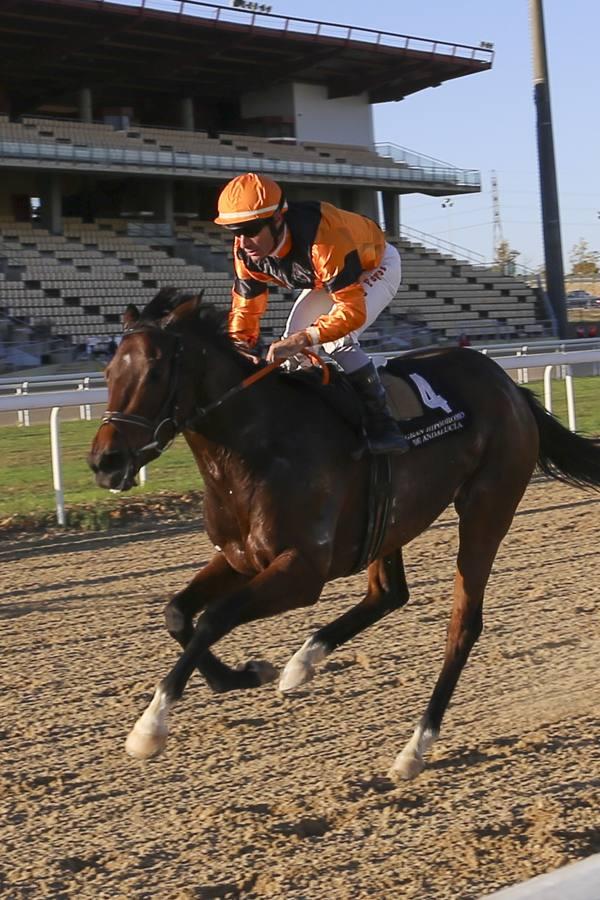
(428, 395)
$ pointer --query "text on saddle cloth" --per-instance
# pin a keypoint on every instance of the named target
(424, 404)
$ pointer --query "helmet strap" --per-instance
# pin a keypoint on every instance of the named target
(277, 230)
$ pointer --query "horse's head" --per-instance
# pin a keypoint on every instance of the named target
(147, 402)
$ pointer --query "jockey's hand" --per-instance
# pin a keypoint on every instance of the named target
(288, 347)
(251, 353)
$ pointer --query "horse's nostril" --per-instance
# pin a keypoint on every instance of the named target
(109, 461)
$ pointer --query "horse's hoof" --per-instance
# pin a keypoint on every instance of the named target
(295, 674)
(264, 671)
(300, 668)
(406, 767)
(143, 745)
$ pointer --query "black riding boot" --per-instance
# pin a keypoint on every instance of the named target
(383, 434)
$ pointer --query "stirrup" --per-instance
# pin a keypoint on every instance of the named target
(387, 443)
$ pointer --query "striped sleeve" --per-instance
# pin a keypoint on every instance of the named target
(249, 301)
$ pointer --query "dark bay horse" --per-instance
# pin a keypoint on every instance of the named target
(286, 501)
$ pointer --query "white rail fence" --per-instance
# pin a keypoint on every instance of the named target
(577, 881)
(556, 363)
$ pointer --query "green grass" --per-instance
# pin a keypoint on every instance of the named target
(587, 402)
(26, 475)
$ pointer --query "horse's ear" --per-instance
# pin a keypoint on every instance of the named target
(130, 316)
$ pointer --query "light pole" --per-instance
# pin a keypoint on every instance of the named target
(555, 279)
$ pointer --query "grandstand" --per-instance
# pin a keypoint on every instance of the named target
(120, 123)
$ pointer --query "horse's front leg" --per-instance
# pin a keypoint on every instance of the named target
(289, 582)
(215, 579)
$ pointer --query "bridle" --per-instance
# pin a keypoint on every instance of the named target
(169, 414)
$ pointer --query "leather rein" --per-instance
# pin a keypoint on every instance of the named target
(169, 412)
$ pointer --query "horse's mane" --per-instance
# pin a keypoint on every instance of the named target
(206, 320)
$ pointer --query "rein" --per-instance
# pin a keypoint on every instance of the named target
(203, 411)
(168, 414)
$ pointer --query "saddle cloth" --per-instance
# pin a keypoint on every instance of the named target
(422, 398)
(419, 393)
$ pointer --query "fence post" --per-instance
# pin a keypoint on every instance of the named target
(23, 414)
(570, 399)
(548, 388)
(56, 465)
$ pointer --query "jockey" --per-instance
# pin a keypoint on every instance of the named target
(347, 274)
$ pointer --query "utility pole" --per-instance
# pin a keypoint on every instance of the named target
(497, 236)
(555, 279)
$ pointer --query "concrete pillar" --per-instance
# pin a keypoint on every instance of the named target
(391, 212)
(186, 113)
(86, 112)
(364, 202)
(51, 197)
(167, 204)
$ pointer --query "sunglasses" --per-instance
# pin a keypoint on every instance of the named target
(249, 229)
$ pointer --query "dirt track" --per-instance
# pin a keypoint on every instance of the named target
(264, 796)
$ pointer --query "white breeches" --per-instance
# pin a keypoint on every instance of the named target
(380, 286)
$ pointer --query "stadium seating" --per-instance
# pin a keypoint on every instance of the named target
(98, 134)
(80, 282)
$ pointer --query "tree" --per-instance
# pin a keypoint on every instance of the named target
(505, 257)
(585, 263)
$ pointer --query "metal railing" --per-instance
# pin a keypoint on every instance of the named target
(433, 242)
(402, 155)
(56, 400)
(295, 25)
(201, 163)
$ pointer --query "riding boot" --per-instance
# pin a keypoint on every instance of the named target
(383, 434)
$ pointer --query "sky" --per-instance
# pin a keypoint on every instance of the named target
(487, 121)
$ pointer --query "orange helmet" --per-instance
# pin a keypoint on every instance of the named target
(248, 198)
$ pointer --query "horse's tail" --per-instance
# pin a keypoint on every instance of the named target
(564, 455)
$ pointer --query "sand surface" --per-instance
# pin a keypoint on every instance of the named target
(260, 795)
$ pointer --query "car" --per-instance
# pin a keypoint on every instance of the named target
(581, 298)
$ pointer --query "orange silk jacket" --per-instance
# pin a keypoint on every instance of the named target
(324, 247)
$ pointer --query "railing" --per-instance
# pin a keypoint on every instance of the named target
(577, 881)
(543, 346)
(42, 384)
(478, 260)
(177, 160)
(239, 16)
(56, 400)
(420, 160)
(429, 240)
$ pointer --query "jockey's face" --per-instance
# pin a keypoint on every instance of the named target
(262, 244)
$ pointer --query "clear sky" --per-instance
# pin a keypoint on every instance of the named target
(487, 121)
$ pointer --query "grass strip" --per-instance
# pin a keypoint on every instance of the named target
(26, 491)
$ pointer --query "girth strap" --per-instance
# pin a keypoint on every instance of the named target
(378, 509)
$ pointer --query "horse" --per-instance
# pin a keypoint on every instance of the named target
(287, 497)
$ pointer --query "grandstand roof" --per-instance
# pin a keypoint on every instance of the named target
(50, 48)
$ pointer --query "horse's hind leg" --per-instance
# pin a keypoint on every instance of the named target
(486, 508)
(215, 579)
(387, 591)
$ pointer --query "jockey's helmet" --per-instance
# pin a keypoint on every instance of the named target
(249, 199)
